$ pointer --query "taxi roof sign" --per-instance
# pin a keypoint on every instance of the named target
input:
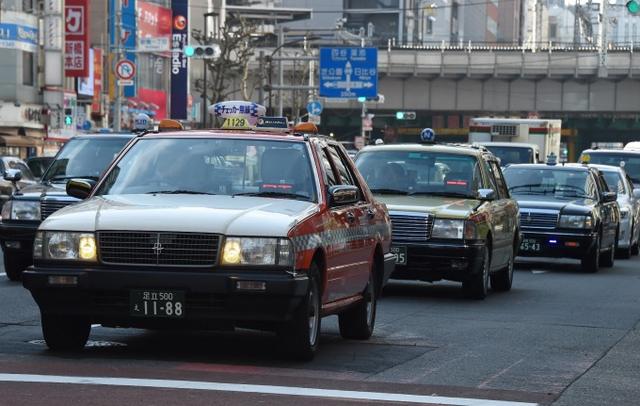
(305, 128)
(243, 114)
(168, 124)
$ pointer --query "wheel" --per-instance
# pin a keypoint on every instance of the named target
(501, 281)
(357, 322)
(591, 261)
(477, 286)
(635, 249)
(625, 253)
(301, 335)
(608, 258)
(65, 333)
(14, 265)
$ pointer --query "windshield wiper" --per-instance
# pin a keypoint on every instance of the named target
(179, 192)
(445, 194)
(387, 191)
(265, 193)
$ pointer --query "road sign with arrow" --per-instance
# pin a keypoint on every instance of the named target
(348, 72)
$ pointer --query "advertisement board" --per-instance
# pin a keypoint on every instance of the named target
(86, 84)
(96, 105)
(18, 31)
(179, 62)
(76, 42)
(128, 40)
(154, 27)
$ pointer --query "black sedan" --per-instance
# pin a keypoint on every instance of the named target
(565, 212)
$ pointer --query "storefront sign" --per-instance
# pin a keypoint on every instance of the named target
(18, 31)
(26, 115)
(86, 84)
(76, 42)
(96, 105)
(179, 62)
(154, 27)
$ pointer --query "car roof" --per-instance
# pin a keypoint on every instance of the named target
(565, 167)
(606, 168)
(459, 149)
(506, 144)
(612, 151)
(103, 136)
(220, 133)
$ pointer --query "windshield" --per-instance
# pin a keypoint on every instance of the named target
(84, 158)
(214, 166)
(631, 162)
(614, 182)
(512, 155)
(417, 172)
(556, 183)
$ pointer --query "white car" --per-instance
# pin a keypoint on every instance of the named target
(629, 231)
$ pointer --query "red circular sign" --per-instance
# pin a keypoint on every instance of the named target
(125, 69)
(180, 22)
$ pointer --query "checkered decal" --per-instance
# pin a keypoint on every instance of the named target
(339, 237)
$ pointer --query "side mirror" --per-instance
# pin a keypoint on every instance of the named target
(486, 194)
(80, 188)
(340, 195)
(13, 175)
(609, 197)
(636, 193)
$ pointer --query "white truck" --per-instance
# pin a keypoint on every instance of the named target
(517, 140)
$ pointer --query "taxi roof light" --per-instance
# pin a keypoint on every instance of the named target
(168, 124)
(305, 128)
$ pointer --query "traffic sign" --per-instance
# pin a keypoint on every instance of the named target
(125, 82)
(315, 119)
(125, 69)
(314, 108)
(348, 72)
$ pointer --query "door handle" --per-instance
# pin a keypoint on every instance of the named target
(351, 217)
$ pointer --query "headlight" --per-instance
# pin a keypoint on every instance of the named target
(21, 210)
(445, 228)
(575, 221)
(60, 245)
(257, 251)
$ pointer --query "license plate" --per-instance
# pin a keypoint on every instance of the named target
(400, 253)
(157, 303)
(530, 245)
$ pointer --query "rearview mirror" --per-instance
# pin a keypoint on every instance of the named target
(609, 197)
(340, 195)
(80, 188)
(13, 175)
(486, 194)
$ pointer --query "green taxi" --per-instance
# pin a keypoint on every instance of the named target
(451, 212)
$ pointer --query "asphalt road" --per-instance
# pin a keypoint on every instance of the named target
(559, 337)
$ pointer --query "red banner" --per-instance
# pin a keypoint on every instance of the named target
(96, 105)
(156, 100)
(76, 42)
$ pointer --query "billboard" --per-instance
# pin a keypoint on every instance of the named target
(96, 105)
(18, 31)
(179, 62)
(154, 27)
(76, 42)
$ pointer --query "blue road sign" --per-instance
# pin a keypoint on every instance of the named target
(314, 108)
(348, 72)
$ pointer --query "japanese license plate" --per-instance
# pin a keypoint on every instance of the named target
(530, 245)
(157, 303)
(400, 253)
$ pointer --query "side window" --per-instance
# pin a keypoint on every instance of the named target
(490, 176)
(341, 166)
(503, 191)
(594, 183)
(329, 177)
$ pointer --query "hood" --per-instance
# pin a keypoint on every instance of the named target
(41, 189)
(240, 215)
(452, 207)
(549, 203)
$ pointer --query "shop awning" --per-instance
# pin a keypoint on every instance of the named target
(19, 141)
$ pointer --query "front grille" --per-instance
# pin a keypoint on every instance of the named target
(48, 207)
(158, 248)
(411, 227)
(538, 220)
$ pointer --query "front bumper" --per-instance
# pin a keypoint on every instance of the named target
(211, 298)
(436, 260)
(563, 244)
(18, 237)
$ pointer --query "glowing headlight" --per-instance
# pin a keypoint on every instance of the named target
(21, 210)
(446, 228)
(257, 251)
(60, 245)
(575, 221)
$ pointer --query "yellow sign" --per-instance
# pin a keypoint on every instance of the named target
(236, 122)
(585, 159)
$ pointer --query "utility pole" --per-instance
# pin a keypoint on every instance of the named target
(117, 104)
(604, 39)
(280, 70)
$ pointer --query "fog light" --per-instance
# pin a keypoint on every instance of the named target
(553, 241)
(571, 244)
(251, 285)
(63, 280)
(13, 244)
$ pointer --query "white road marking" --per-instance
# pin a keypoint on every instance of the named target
(260, 389)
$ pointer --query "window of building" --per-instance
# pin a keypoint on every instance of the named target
(27, 69)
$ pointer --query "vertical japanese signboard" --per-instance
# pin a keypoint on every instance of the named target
(179, 74)
(128, 36)
(96, 105)
(76, 43)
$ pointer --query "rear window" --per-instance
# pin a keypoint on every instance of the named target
(631, 162)
(512, 155)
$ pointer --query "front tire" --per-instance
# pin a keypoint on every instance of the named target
(607, 259)
(301, 335)
(591, 262)
(357, 322)
(65, 333)
(14, 265)
(502, 280)
(477, 286)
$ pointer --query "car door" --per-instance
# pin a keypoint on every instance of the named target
(608, 210)
(501, 222)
